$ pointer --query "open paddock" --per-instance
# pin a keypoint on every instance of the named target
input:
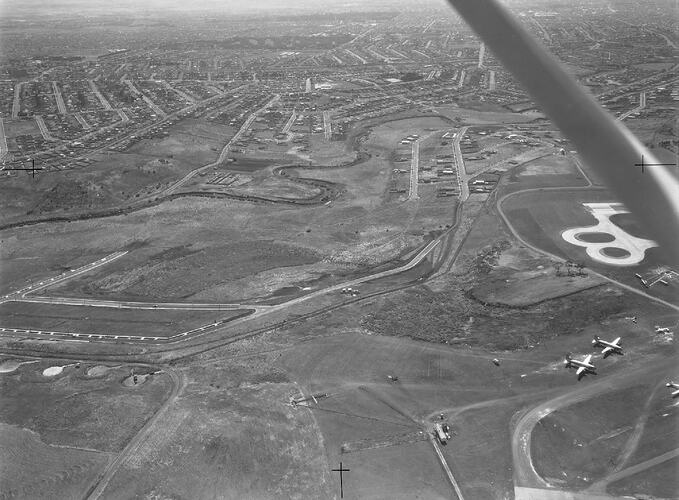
(31, 468)
(232, 434)
(576, 455)
(553, 170)
(107, 320)
(74, 409)
(661, 481)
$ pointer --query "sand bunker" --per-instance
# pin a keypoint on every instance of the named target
(53, 371)
(10, 365)
(99, 370)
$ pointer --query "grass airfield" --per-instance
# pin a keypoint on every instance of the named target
(217, 421)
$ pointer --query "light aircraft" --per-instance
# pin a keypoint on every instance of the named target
(584, 367)
(673, 385)
(609, 347)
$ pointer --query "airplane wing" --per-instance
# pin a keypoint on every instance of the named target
(606, 350)
(675, 393)
(581, 370)
(652, 197)
(588, 359)
(617, 341)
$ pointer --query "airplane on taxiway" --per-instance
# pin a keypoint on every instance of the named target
(585, 366)
(609, 347)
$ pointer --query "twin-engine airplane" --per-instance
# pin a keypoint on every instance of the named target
(608, 347)
(584, 367)
(673, 385)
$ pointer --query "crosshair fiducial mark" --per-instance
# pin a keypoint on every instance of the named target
(33, 168)
(644, 165)
(341, 471)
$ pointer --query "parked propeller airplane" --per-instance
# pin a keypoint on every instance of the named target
(673, 385)
(608, 347)
(584, 367)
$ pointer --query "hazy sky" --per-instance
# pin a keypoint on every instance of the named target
(235, 6)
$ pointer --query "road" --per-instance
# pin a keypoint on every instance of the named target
(102, 99)
(446, 468)
(462, 177)
(57, 97)
(34, 287)
(642, 105)
(561, 259)
(525, 474)
(81, 121)
(415, 165)
(356, 56)
(412, 263)
(288, 125)
(16, 104)
(258, 310)
(414, 170)
(180, 93)
(225, 149)
(189, 306)
(634, 469)
(179, 383)
(327, 125)
(3, 140)
(147, 100)
(43, 128)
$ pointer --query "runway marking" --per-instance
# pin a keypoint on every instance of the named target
(633, 246)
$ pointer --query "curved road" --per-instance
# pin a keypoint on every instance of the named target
(525, 474)
(561, 259)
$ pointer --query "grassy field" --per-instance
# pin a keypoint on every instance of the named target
(541, 217)
(530, 287)
(197, 247)
(364, 406)
(115, 178)
(576, 455)
(324, 152)
(190, 142)
(549, 171)
(660, 412)
(33, 469)
(230, 435)
(106, 320)
(74, 409)
(182, 271)
(276, 187)
(660, 480)
(480, 453)
(474, 117)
